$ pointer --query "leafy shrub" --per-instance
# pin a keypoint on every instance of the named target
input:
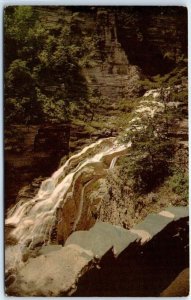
(149, 156)
(178, 182)
(43, 76)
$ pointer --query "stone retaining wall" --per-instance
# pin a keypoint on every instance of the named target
(108, 260)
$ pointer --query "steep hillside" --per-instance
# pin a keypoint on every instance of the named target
(159, 40)
(96, 151)
(90, 87)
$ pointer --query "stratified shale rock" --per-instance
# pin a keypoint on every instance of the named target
(38, 154)
(113, 76)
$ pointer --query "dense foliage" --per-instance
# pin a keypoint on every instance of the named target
(43, 77)
(47, 48)
(151, 156)
(44, 80)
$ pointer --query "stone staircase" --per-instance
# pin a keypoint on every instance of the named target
(103, 237)
(109, 260)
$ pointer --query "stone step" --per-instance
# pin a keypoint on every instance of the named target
(151, 226)
(92, 241)
(47, 249)
(102, 238)
(178, 212)
(118, 237)
(155, 223)
(59, 272)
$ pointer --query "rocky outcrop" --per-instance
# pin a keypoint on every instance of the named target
(36, 153)
(154, 38)
(109, 72)
(112, 75)
(108, 260)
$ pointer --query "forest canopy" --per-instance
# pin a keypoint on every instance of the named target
(43, 78)
(47, 48)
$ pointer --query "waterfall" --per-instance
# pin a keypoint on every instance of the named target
(33, 221)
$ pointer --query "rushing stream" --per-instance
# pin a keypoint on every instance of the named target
(32, 222)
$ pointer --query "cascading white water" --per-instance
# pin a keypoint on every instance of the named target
(34, 220)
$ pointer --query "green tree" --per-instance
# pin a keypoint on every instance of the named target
(149, 157)
(21, 104)
(43, 75)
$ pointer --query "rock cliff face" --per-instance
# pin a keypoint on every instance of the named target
(42, 147)
(37, 154)
(112, 75)
(115, 74)
(154, 37)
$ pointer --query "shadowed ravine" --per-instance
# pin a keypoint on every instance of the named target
(58, 207)
(61, 208)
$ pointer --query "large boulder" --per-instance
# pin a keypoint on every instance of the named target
(53, 274)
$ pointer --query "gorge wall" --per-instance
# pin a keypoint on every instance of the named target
(159, 37)
(37, 154)
(37, 149)
(112, 75)
(115, 73)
